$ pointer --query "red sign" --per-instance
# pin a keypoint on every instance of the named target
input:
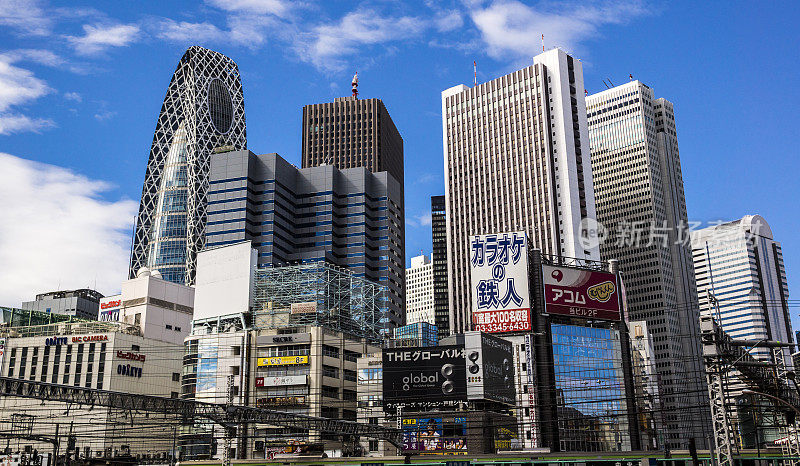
(131, 356)
(503, 320)
(111, 304)
(90, 338)
(586, 294)
(259, 381)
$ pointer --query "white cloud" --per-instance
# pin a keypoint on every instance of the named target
(327, 43)
(104, 115)
(447, 21)
(15, 123)
(41, 56)
(260, 7)
(511, 28)
(18, 85)
(189, 32)
(73, 96)
(420, 220)
(98, 38)
(26, 16)
(424, 219)
(56, 231)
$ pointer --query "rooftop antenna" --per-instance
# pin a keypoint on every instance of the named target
(606, 84)
(542, 42)
(609, 81)
(355, 85)
(474, 73)
(631, 76)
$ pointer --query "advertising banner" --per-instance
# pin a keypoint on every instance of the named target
(587, 294)
(282, 361)
(110, 308)
(530, 365)
(490, 368)
(426, 436)
(499, 269)
(280, 381)
(423, 377)
(280, 401)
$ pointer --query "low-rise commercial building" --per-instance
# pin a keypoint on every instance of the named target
(284, 338)
(102, 355)
(304, 370)
(81, 303)
(161, 309)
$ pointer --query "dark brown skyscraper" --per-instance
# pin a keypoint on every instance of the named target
(441, 306)
(351, 132)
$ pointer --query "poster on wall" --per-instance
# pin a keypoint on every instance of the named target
(587, 294)
(499, 282)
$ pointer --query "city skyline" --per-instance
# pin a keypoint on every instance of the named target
(93, 145)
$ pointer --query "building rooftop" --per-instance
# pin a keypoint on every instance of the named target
(84, 293)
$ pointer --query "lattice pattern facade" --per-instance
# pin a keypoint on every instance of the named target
(203, 113)
(321, 295)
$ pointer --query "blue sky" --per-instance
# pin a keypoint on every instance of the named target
(81, 84)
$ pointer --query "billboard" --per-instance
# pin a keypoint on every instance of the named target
(282, 361)
(423, 377)
(110, 308)
(280, 381)
(588, 294)
(427, 436)
(499, 269)
(490, 368)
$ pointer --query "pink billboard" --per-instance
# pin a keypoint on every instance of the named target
(587, 294)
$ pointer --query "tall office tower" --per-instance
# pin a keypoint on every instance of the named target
(349, 218)
(351, 132)
(638, 190)
(419, 291)
(439, 259)
(203, 112)
(741, 265)
(516, 157)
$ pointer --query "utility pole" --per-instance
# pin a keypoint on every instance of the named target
(715, 380)
(55, 445)
(228, 430)
(172, 454)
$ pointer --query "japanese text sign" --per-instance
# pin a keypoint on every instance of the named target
(587, 294)
(500, 298)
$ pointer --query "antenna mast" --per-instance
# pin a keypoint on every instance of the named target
(474, 73)
(542, 42)
(355, 85)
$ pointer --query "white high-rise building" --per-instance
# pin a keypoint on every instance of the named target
(741, 265)
(516, 157)
(419, 291)
(639, 195)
